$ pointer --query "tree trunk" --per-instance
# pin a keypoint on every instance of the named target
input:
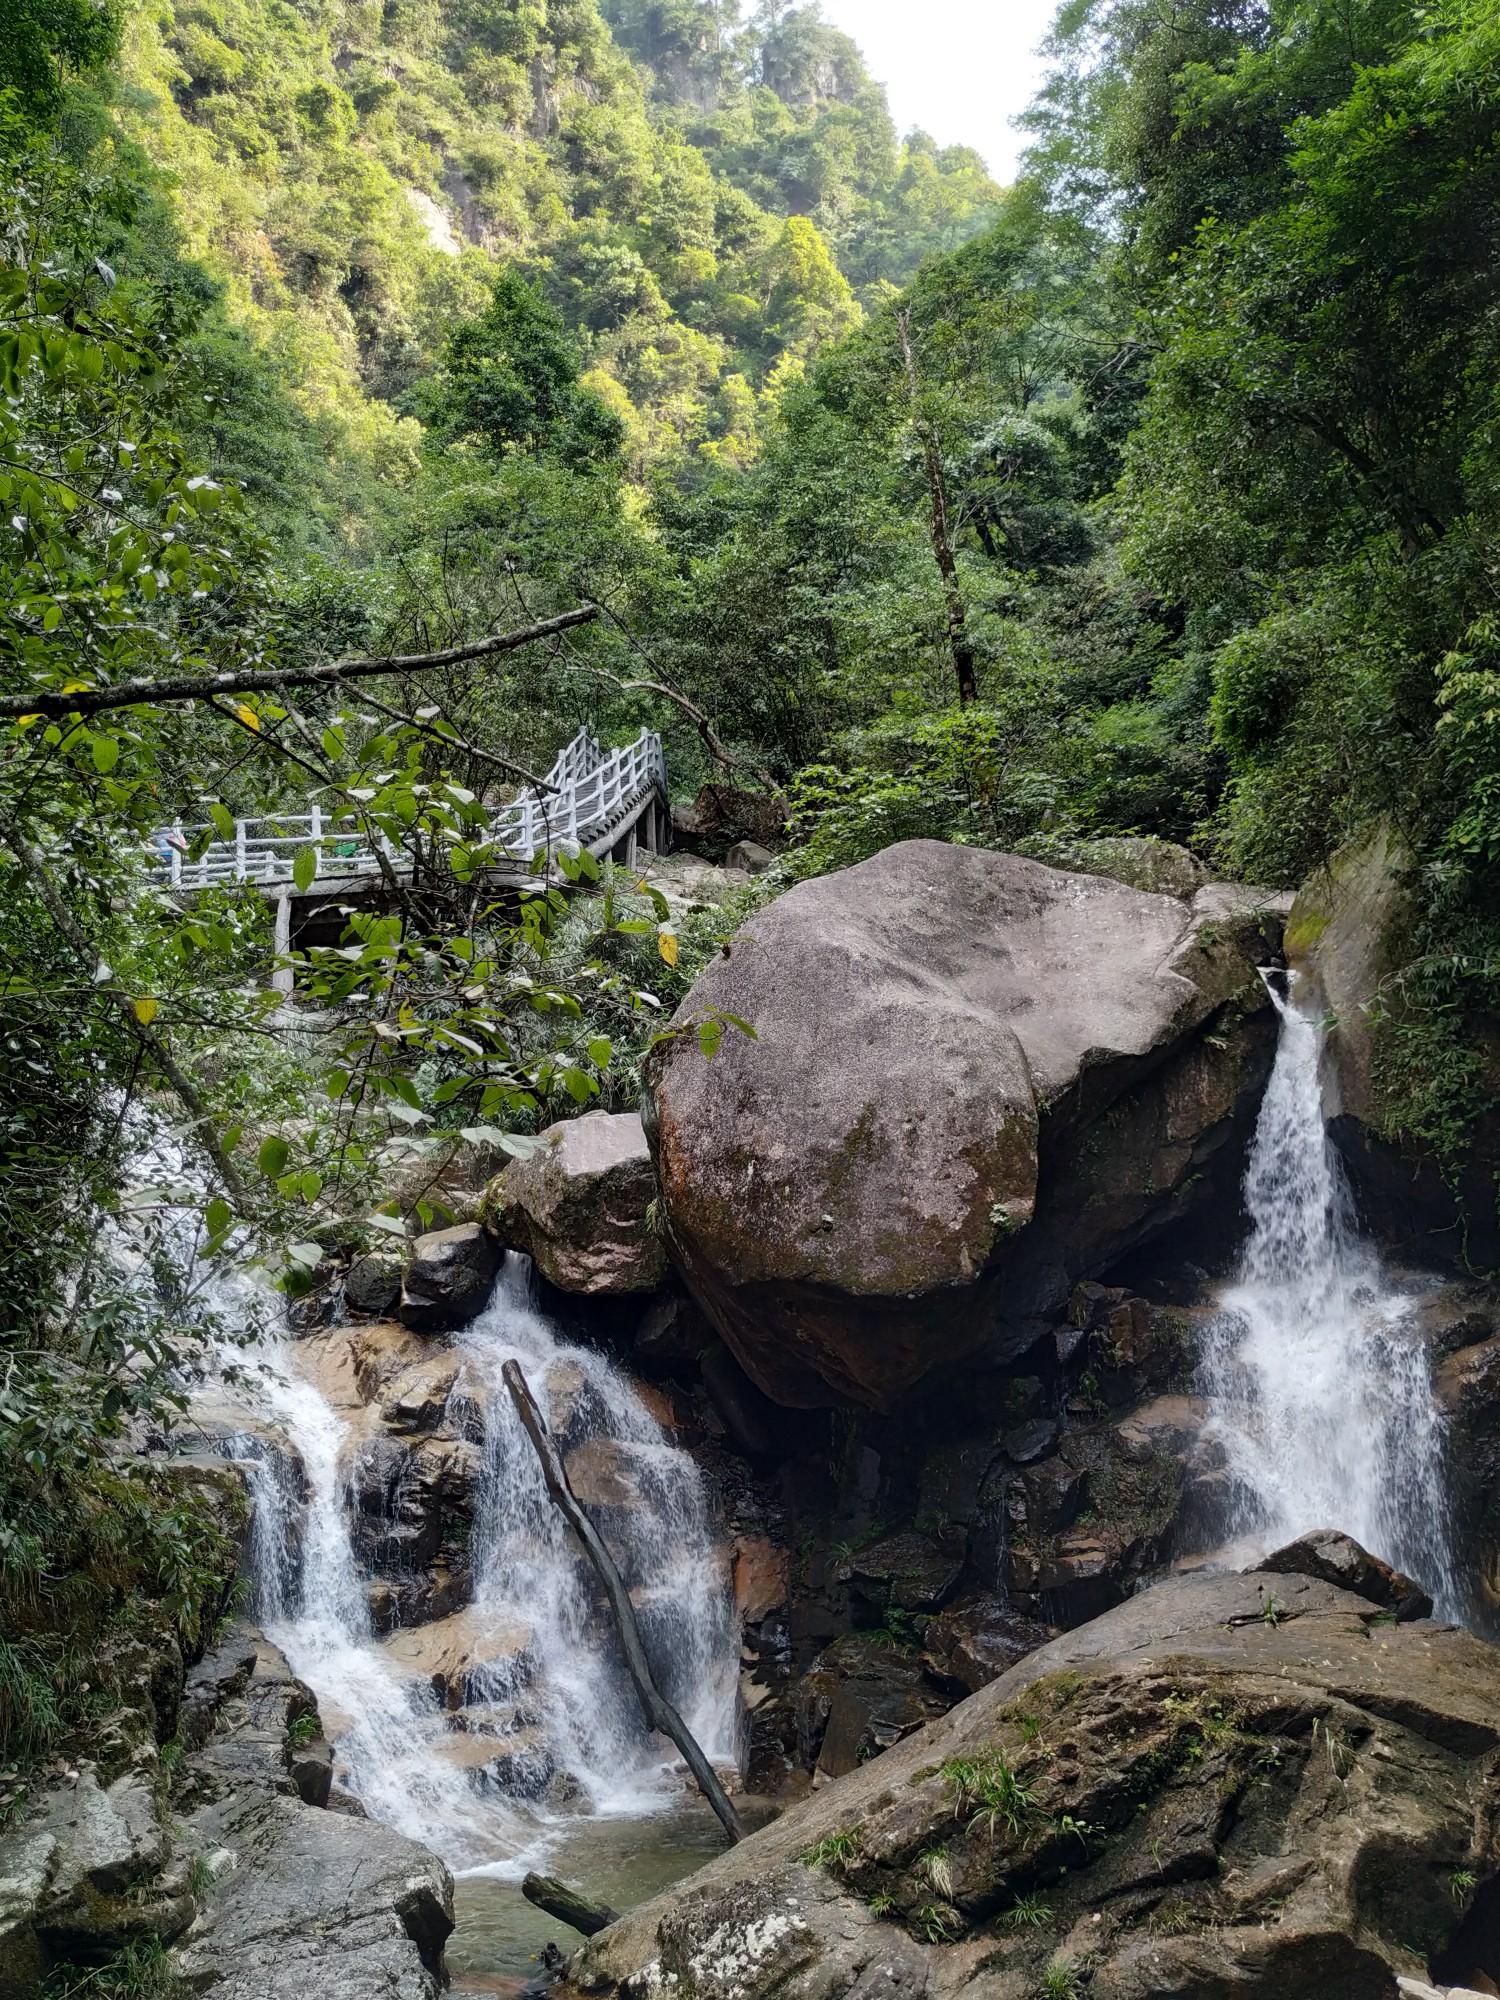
(569, 1906)
(942, 541)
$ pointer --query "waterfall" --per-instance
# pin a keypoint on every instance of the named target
(528, 1569)
(311, 1602)
(554, 1705)
(1318, 1389)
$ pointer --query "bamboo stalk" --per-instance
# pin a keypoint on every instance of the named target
(659, 1711)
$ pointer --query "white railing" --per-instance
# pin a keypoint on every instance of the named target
(593, 788)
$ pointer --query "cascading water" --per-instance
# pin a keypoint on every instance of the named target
(651, 1504)
(559, 1702)
(1317, 1388)
(553, 1698)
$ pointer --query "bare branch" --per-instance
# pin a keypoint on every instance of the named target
(197, 687)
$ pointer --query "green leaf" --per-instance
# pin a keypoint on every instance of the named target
(308, 1255)
(311, 1184)
(600, 1051)
(273, 1156)
(710, 1034)
(305, 867)
(338, 1082)
(223, 820)
(219, 1216)
(106, 753)
(391, 1223)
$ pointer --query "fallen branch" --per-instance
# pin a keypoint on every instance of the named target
(269, 680)
(659, 1711)
(569, 1906)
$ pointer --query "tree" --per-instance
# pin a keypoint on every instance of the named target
(509, 380)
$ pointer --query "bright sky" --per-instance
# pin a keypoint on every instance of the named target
(961, 69)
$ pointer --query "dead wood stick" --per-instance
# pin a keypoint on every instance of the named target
(569, 1906)
(270, 680)
(659, 1711)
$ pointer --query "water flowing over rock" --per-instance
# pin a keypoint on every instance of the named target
(577, 1206)
(407, 1496)
(1188, 1796)
(974, 1079)
(1317, 1377)
(1349, 934)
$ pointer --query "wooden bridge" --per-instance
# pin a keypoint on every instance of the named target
(611, 803)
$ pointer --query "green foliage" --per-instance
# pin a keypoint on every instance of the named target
(42, 40)
(141, 1971)
(1027, 1913)
(834, 1850)
(510, 380)
(989, 1791)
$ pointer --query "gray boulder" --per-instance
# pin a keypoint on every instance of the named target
(974, 1080)
(449, 1279)
(1184, 1797)
(300, 1901)
(577, 1206)
(373, 1285)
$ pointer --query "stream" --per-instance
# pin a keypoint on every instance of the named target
(550, 1692)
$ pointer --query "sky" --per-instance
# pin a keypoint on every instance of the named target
(961, 69)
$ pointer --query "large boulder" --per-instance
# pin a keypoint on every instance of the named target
(578, 1206)
(449, 1278)
(1204, 1793)
(973, 1080)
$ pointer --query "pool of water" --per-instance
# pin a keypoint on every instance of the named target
(619, 1861)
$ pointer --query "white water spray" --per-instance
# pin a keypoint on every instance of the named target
(551, 1699)
(649, 1501)
(1318, 1388)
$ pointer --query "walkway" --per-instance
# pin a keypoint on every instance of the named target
(610, 802)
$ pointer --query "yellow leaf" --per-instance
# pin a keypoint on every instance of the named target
(247, 715)
(666, 944)
(145, 1010)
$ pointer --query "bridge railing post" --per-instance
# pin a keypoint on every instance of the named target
(239, 850)
(316, 829)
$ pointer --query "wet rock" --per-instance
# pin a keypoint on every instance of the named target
(860, 1696)
(1195, 1801)
(672, 1334)
(1029, 1441)
(607, 1472)
(908, 1570)
(372, 1287)
(449, 1279)
(759, 1569)
(1339, 1559)
(975, 1641)
(854, 1196)
(578, 1204)
(473, 1655)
